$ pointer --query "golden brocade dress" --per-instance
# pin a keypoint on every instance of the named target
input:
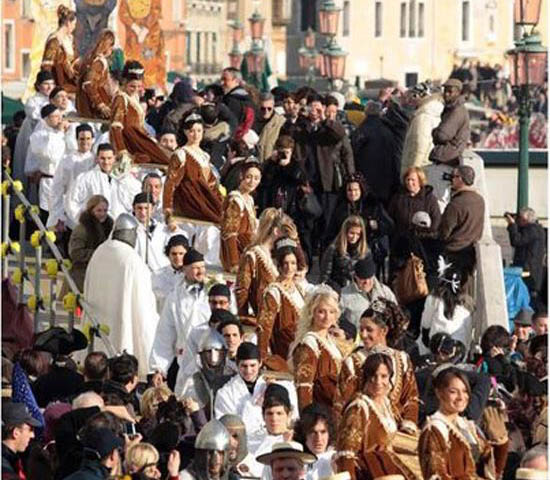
(364, 445)
(238, 226)
(95, 88)
(128, 132)
(450, 450)
(317, 363)
(404, 394)
(191, 188)
(277, 322)
(59, 59)
(256, 271)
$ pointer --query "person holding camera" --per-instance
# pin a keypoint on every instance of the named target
(528, 239)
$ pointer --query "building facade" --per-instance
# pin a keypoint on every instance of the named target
(412, 40)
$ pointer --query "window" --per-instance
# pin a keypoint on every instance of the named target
(9, 46)
(177, 10)
(345, 31)
(411, 79)
(420, 19)
(214, 42)
(466, 21)
(26, 8)
(188, 57)
(412, 18)
(25, 64)
(378, 19)
(403, 21)
(198, 48)
(309, 15)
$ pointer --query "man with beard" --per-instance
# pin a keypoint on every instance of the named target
(241, 461)
(211, 461)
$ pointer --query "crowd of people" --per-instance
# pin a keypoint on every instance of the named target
(287, 295)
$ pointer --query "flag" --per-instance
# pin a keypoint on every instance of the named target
(22, 393)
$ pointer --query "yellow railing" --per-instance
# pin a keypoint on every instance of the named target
(36, 302)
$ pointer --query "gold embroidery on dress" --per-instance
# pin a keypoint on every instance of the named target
(139, 8)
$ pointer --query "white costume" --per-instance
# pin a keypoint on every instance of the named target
(459, 327)
(119, 192)
(235, 398)
(158, 239)
(47, 148)
(118, 289)
(70, 167)
(184, 309)
(322, 467)
(205, 239)
(164, 281)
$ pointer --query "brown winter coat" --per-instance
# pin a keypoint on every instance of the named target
(86, 237)
(462, 221)
(453, 133)
(403, 206)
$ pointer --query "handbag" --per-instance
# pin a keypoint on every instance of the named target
(310, 206)
(410, 283)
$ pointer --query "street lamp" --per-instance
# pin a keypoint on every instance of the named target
(333, 57)
(308, 56)
(528, 66)
(255, 63)
(235, 55)
(329, 15)
(256, 25)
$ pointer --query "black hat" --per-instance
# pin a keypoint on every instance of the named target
(43, 76)
(58, 341)
(219, 290)
(274, 390)
(47, 110)
(101, 441)
(524, 317)
(142, 197)
(248, 351)
(55, 91)
(365, 268)
(219, 315)
(14, 413)
(192, 256)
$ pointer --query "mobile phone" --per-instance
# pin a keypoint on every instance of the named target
(130, 429)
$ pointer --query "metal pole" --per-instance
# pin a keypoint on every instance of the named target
(5, 232)
(37, 291)
(53, 298)
(523, 165)
(22, 234)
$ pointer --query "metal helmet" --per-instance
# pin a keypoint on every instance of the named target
(125, 229)
(213, 436)
(235, 424)
(212, 340)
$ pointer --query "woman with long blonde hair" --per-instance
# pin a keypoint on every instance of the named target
(256, 267)
(349, 246)
(315, 357)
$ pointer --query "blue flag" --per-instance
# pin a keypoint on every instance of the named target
(22, 393)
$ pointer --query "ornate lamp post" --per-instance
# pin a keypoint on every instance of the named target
(528, 65)
(309, 55)
(255, 58)
(235, 55)
(334, 58)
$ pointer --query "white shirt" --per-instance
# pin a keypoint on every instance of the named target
(156, 259)
(70, 167)
(46, 148)
(164, 281)
(119, 192)
(184, 309)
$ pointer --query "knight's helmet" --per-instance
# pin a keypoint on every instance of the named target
(236, 427)
(125, 229)
(212, 351)
(211, 443)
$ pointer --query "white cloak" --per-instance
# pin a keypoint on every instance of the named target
(118, 289)
(164, 281)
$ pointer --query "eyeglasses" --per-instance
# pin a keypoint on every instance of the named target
(266, 109)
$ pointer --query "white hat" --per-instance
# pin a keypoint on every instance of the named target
(286, 450)
(531, 474)
(422, 219)
(338, 476)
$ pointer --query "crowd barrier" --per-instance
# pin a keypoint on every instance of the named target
(25, 274)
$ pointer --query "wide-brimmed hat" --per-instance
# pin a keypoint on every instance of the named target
(58, 341)
(287, 450)
(453, 82)
(524, 317)
(531, 474)
(338, 476)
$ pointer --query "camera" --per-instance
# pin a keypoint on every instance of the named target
(448, 177)
(513, 215)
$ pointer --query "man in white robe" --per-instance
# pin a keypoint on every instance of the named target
(153, 235)
(120, 192)
(70, 167)
(61, 100)
(119, 294)
(46, 148)
(165, 279)
(243, 395)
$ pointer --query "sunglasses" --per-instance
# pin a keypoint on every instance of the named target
(266, 109)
